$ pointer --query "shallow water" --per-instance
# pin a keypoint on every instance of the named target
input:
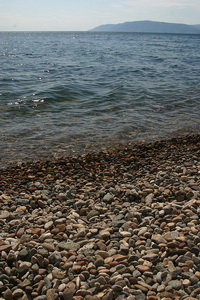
(70, 92)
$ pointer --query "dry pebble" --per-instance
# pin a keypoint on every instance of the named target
(117, 224)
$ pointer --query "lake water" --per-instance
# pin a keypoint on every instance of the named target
(72, 92)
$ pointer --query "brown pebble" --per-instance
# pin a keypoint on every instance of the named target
(133, 280)
(18, 293)
(61, 227)
(21, 209)
(197, 274)
(57, 274)
(5, 248)
(8, 294)
(101, 245)
(55, 231)
(40, 286)
(119, 257)
(68, 293)
(142, 268)
(36, 231)
(103, 254)
(51, 294)
(48, 247)
(141, 288)
(83, 293)
(89, 297)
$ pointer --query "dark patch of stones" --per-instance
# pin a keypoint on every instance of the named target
(118, 224)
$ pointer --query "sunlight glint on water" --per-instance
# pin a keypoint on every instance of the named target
(71, 92)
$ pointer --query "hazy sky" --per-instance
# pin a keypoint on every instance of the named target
(86, 14)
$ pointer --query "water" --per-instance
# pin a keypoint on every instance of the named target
(70, 92)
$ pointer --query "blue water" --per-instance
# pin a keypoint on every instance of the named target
(71, 92)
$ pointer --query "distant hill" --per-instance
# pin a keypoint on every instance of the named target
(149, 26)
(197, 26)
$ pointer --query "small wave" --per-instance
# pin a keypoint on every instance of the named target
(95, 88)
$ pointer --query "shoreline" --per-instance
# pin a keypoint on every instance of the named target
(120, 223)
(111, 148)
(42, 152)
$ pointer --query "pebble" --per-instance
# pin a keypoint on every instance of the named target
(143, 268)
(123, 224)
(18, 293)
(69, 246)
(48, 225)
(175, 284)
(103, 254)
(8, 295)
(108, 198)
(48, 247)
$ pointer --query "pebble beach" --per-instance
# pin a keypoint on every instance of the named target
(115, 224)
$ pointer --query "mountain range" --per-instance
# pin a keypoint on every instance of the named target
(150, 26)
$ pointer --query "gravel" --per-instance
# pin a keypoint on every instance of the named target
(115, 224)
